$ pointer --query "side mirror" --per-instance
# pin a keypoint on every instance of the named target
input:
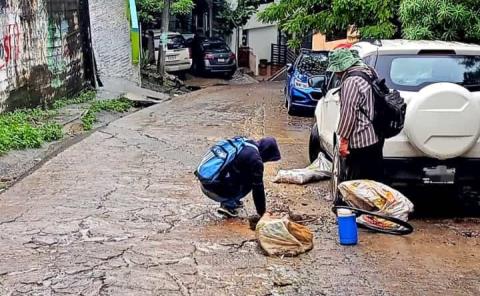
(289, 68)
(319, 82)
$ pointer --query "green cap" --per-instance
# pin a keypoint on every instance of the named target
(341, 59)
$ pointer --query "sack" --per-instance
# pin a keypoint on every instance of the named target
(379, 198)
(282, 237)
(320, 169)
(389, 107)
(218, 158)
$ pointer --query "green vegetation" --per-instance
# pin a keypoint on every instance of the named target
(25, 129)
(84, 97)
(441, 19)
(151, 10)
(228, 18)
(457, 20)
(30, 128)
(118, 105)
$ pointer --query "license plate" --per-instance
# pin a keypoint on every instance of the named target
(439, 175)
(171, 58)
(221, 60)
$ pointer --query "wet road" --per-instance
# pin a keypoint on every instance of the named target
(120, 213)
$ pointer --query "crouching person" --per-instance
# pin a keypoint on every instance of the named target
(233, 168)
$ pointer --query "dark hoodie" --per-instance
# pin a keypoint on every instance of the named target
(246, 172)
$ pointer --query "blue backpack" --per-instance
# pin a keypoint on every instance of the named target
(219, 157)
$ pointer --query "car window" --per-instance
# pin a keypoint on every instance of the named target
(413, 72)
(313, 63)
(369, 60)
(215, 47)
(176, 42)
(333, 82)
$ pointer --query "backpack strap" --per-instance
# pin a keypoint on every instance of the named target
(361, 75)
(251, 145)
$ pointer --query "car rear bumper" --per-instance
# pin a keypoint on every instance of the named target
(184, 66)
(222, 68)
(417, 170)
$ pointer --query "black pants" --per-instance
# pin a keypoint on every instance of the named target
(366, 163)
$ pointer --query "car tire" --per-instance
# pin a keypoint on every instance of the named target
(338, 176)
(229, 75)
(469, 198)
(314, 147)
(290, 109)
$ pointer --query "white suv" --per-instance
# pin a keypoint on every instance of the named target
(440, 82)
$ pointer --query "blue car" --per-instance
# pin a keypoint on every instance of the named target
(305, 82)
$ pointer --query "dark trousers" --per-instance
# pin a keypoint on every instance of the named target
(366, 163)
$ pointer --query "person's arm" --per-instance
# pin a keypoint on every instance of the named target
(258, 189)
(350, 97)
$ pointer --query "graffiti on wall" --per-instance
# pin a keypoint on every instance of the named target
(40, 51)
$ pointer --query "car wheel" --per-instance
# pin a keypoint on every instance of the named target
(290, 109)
(314, 147)
(338, 176)
(469, 197)
(229, 75)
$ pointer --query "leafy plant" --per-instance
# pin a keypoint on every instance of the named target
(150, 10)
(118, 105)
(228, 19)
(373, 18)
(25, 129)
(412, 19)
(441, 19)
(83, 97)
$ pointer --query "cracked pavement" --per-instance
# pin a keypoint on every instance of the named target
(120, 213)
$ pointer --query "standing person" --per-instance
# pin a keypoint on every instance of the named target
(242, 176)
(361, 147)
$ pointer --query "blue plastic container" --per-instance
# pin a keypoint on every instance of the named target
(347, 227)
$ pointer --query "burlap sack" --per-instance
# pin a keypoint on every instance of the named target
(282, 237)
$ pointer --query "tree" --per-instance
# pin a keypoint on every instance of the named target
(410, 19)
(441, 19)
(229, 18)
(150, 10)
(372, 18)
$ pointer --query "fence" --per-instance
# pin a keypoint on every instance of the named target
(282, 55)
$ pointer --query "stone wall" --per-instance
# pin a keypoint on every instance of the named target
(41, 52)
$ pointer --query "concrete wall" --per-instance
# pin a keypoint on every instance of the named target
(319, 41)
(260, 41)
(41, 53)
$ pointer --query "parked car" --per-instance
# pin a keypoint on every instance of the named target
(178, 57)
(440, 82)
(305, 82)
(213, 56)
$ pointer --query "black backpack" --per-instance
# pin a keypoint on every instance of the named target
(389, 107)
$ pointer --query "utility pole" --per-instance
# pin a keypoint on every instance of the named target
(163, 45)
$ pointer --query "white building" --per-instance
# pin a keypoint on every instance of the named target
(258, 37)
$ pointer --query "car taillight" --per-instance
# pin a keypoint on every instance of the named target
(209, 56)
(232, 56)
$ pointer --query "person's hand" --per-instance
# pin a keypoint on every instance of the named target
(344, 152)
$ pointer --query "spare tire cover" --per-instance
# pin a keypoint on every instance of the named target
(443, 120)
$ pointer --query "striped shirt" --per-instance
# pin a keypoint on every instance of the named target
(356, 95)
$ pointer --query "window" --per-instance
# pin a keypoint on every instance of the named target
(413, 72)
(313, 63)
(334, 81)
(370, 60)
(176, 42)
(215, 47)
